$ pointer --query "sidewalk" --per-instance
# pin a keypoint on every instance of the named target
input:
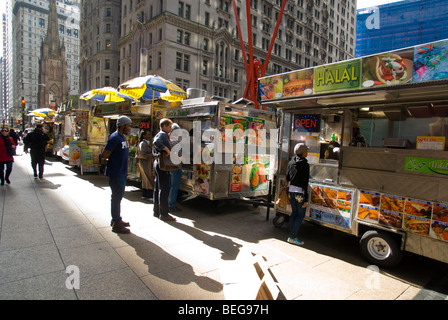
(62, 223)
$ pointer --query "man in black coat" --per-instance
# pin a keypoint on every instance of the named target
(37, 141)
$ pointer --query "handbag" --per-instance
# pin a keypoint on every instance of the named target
(283, 199)
(165, 163)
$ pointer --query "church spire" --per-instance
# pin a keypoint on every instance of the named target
(52, 37)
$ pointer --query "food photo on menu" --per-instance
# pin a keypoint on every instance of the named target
(388, 69)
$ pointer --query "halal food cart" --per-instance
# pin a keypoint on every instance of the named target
(140, 114)
(228, 154)
(390, 191)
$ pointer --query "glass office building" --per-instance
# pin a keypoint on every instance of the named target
(400, 24)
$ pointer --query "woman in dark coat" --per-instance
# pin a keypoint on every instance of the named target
(298, 175)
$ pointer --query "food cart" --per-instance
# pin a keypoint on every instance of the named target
(79, 137)
(391, 191)
(229, 148)
(140, 115)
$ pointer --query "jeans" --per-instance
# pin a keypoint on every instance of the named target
(298, 213)
(38, 158)
(117, 186)
(176, 176)
(161, 190)
(6, 175)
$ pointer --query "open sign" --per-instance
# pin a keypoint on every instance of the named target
(307, 122)
(145, 125)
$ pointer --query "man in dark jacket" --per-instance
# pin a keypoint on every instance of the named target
(36, 141)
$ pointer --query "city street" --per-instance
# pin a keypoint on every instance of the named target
(59, 227)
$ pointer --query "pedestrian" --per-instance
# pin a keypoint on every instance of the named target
(7, 152)
(144, 156)
(37, 141)
(161, 148)
(298, 175)
(116, 153)
(176, 176)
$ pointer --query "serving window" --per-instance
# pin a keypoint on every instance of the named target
(407, 128)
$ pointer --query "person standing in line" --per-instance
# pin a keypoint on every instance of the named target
(175, 178)
(298, 175)
(36, 140)
(116, 153)
(7, 152)
(161, 148)
(144, 155)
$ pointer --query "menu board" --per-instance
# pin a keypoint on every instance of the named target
(430, 61)
(388, 68)
(425, 62)
(75, 151)
(97, 130)
(331, 205)
(238, 125)
(421, 217)
(202, 178)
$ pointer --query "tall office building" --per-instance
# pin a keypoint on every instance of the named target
(195, 43)
(30, 24)
(400, 24)
(100, 32)
(7, 62)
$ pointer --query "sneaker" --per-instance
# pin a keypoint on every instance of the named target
(295, 241)
(167, 218)
(7, 181)
(174, 209)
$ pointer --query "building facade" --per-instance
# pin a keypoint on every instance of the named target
(195, 43)
(100, 33)
(53, 79)
(29, 26)
(7, 64)
(400, 25)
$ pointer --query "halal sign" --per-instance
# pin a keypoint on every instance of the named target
(307, 122)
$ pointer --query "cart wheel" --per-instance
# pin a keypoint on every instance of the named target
(279, 220)
(380, 248)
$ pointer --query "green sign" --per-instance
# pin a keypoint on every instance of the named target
(426, 165)
(338, 76)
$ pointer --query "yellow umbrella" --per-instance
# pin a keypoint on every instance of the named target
(152, 87)
(106, 94)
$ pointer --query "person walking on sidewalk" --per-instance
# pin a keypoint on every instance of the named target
(116, 153)
(298, 175)
(175, 176)
(161, 148)
(144, 155)
(36, 140)
(7, 151)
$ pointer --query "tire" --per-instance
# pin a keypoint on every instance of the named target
(380, 248)
(279, 220)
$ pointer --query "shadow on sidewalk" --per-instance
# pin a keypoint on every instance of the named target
(165, 266)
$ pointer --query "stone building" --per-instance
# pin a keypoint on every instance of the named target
(195, 44)
(53, 80)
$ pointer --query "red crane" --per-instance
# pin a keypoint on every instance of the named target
(254, 68)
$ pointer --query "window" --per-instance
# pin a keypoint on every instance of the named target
(182, 62)
(205, 67)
